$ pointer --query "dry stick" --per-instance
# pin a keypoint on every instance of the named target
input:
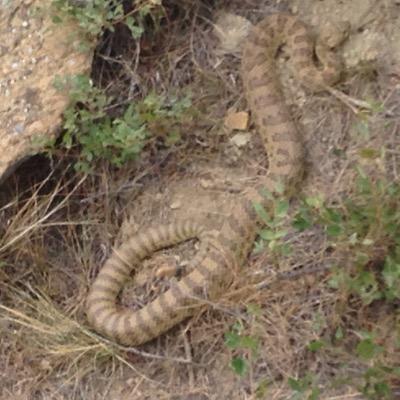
(44, 218)
(188, 353)
(288, 275)
(349, 101)
(145, 354)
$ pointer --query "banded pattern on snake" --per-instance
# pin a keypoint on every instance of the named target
(214, 267)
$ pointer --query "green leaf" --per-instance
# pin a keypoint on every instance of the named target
(339, 153)
(383, 390)
(262, 213)
(262, 388)
(280, 188)
(369, 153)
(136, 30)
(334, 230)
(56, 19)
(315, 201)
(239, 366)
(367, 349)
(301, 222)
(281, 208)
(296, 385)
(366, 286)
(248, 342)
(259, 246)
(254, 309)
(363, 129)
(232, 340)
(376, 105)
(332, 215)
(237, 327)
(268, 234)
(266, 193)
(285, 249)
(315, 392)
(172, 138)
(391, 277)
(315, 345)
(339, 334)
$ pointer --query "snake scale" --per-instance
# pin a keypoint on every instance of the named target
(214, 267)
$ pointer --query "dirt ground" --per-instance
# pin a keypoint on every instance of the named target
(58, 227)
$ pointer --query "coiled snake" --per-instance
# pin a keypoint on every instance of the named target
(214, 266)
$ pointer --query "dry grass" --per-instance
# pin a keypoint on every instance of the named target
(58, 228)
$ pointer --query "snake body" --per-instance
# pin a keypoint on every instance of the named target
(214, 269)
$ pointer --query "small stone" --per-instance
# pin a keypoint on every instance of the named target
(45, 365)
(240, 139)
(166, 271)
(19, 128)
(205, 183)
(237, 120)
(176, 204)
(231, 31)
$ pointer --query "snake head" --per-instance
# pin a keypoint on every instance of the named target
(331, 36)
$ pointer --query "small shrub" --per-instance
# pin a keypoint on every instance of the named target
(95, 16)
(274, 221)
(304, 388)
(244, 347)
(366, 224)
(87, 123)
(365, 227)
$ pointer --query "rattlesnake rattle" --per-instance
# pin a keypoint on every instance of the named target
(215, 265)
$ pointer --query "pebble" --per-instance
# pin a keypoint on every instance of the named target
(175, 205)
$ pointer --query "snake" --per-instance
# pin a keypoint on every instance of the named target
(223, 252)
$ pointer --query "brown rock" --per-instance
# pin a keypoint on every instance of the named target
(237, 120)
(33, 51)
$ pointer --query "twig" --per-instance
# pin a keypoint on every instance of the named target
(288, 275)
(351, 102)
(145, 354)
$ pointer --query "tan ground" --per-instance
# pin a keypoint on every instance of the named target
(58, 228)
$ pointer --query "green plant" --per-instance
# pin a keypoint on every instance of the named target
(366, 224)
(274, 221)
(241, 345)
(366, 228)
(118, 140)
(94, 16)
(375, 382)
(244, 347)
(304, 388)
